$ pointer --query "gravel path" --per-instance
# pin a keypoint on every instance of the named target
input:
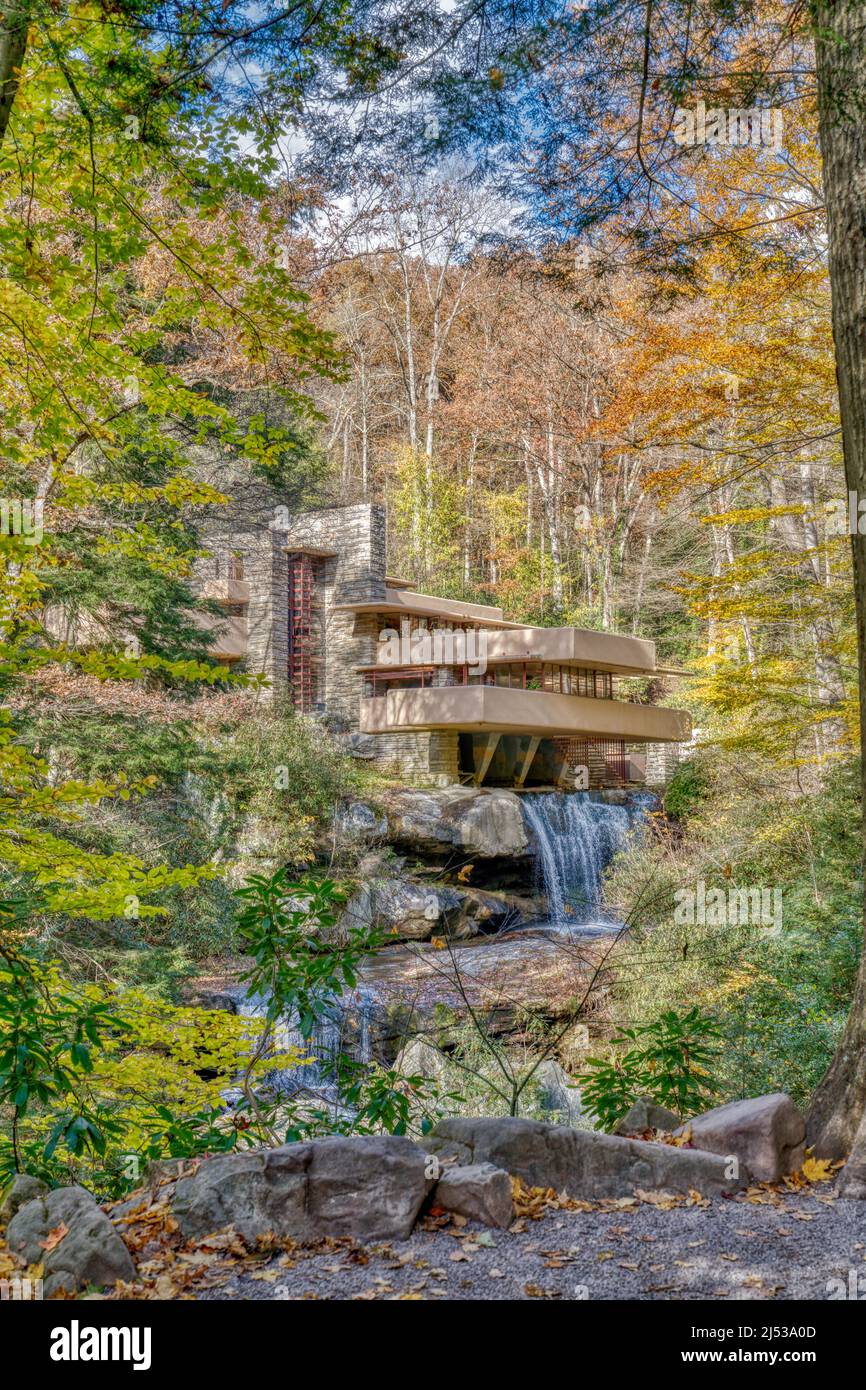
(788, 1248)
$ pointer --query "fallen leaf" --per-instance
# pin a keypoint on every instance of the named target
(53, 1239)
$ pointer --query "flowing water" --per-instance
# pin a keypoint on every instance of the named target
(342, 1028)
(576, 837)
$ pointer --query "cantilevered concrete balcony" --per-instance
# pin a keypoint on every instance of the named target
(226, 590)
(232, 641)
(554, 646)
(573, 646)
(539, 713)
(406, 603)
(231, 632)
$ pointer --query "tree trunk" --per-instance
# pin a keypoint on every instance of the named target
(839, 1102)
(14, 22)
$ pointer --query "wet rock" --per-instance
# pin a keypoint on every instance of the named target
(766, 1133)
(477, 822)
(90, 1252)
(487, 911)
(585, 1164)
(418, 989)
(368, 1186)
(646, 1114)
(479, 1192)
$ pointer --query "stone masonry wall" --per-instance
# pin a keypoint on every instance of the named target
(356, 574)
(264, 568)
(426, 759)
(662, 760)
(264, 534)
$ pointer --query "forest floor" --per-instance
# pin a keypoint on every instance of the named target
(765, 1245)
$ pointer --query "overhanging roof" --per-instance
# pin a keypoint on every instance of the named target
(407, 603)
(554, 646)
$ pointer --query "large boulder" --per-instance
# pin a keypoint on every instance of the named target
(408, 910)
(479, 1192)
(582, 1163)
(766, 1133)
(370, 1187)
(402, 908)
(357, 823)
(405, 909)
(646, 1114)
(23, 1188)
(478, 822)
(420, 1058)
(72, 1238)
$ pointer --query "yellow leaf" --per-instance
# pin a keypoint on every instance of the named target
(817, 1169)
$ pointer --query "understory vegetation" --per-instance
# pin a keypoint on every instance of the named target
(779, 991)
(580, 397)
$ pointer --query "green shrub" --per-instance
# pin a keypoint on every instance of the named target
(668, 1060)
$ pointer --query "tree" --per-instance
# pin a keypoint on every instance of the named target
(839, 1105)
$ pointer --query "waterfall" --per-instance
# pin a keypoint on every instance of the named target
(576, 837)
(343, 1027)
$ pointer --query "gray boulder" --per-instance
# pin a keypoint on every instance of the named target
(420, 1058)
(370, 1187)
(363, 746)
(479, 1192)
(410, 911)
(482, 823)
(585, 1164)
(90, 1251)
(646, 1114)
(359, 823)
(405, 909)
(23, 1188)
(398, 907)
(766, 1133)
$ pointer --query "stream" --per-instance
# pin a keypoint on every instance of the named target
(404, 988)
